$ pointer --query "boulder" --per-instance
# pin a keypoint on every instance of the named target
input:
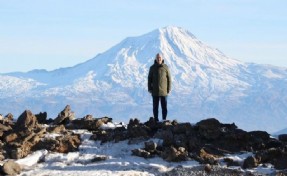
(120, 134)
(268, 156)
(209, 129)
(42, 117)
(151, 123)
(150, 146)
(207, 168)
(258, 139)
(259, 135)
(11, 168)
(20, 144)
(89, 124)
(207, 158)
(182, 128)
(99, 158)
(137, 130)
(11, 137)
(273, 143)
(68, 143)
(9, 117)
(102, 135)
(88, 117)
(231, 162)
(180, 140)
(61, 144)
(2, 157)
(175, 155)
(19, 150)
(49, 144)
(234, 141)
(283, 137)
(166, 135)
(27, 120)
(141, 153)
(250, 162)
(193, 143)
(56, 129)
(65, 116)
(4, 127)
(281, 162)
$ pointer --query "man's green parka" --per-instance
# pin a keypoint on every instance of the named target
(159, 80)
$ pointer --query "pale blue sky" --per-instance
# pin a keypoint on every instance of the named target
(49, 34)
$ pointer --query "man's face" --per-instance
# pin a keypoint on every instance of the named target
(159, 59)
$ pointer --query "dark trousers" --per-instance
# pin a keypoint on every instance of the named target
(163, 102)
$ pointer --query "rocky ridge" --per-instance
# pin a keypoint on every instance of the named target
(207, 141)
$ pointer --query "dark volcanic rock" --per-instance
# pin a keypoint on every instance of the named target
(250, 162)
(137, 129)
(56, 129)
(91, 124)
(9, 117)
(64, 116)
(42, 117)
(182, 128)
(11, 137)
(231, 162)
(283, 137)
(141, 153)
(68, 143)
(209, 128)
(99, 158)
(150, 146)
(207, 158)
(27, 120)
(174, 154)
(166, 135)
(281, 162)
(205, 142)
(22, 145)
(4, 128)
(62, 144)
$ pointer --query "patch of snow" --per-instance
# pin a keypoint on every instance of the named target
(110, 125)
(271, 74)
(52, 135)
(32, 159)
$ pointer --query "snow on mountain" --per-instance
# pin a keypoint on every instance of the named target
(206, 83)
(283, 131)
(11, 86)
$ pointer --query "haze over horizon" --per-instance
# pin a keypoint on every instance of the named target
(52, 34)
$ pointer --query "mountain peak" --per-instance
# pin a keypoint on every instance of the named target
(175, 31)
(179, 45)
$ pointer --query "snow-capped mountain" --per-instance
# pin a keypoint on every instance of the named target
(206, 83)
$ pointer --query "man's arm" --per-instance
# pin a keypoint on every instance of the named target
(168, 81)
(149, 82)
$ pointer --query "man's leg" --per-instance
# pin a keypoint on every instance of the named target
(155, 106)
(163, 101)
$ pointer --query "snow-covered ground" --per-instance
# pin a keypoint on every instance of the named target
(120, 160)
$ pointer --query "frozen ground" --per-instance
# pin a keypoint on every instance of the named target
(120, 161)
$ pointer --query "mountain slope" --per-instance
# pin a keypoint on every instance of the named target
(206, 83)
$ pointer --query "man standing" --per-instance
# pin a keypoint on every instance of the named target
(159, 85)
